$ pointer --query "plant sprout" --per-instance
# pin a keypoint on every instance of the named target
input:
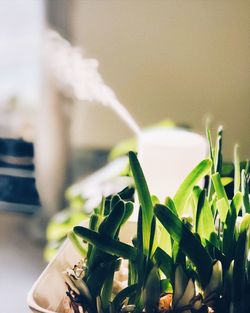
(190, 254)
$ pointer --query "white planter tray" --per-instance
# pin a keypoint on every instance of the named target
(47, 293)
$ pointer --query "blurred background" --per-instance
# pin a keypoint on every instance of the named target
(183, 60)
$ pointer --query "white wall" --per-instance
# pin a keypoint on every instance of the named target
(21, 31)
(177, 59)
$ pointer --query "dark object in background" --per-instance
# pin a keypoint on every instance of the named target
(17, 182)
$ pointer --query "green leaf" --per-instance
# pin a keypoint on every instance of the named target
(226, 180)
(113, 221)
(245, 192)
(155, 200)
(229, 227)
(129, 207)
(77, 244)
(172, 248)
(120, 298)
(204, 219)
(187, 242)
(165, 263)
(144, 199)
(194, 204)
(127, 194)
(140, 260)
(106, 244)
(241, 254)
(222, 200)
(228, 281)
(180, 284)
(106, 291)
(215, 284)
(218, 151)
(185, 189)
(170, 204)
(152, 241)
(236, 169)
(164, 239)
(166, 286)
(96, 278)
(132, 272)
(151, 293)
(94, 222)
(215, 252)
(110, 227)
(211, 152)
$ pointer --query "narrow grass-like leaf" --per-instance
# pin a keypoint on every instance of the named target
(248, 260)
(99, 305)
(185, 189)
(241, 254)
(204, 218)
(211, 152)
(109, 227)
(106, 244)
(170, 204)
(164, 238)
(140, 260)
(152, 290)
(77, 244)
(95, 279)
(218, 151)
(229, 227)
(180, 284)
(226, 181)
(228, 284)
(106, 206)
(222, 200)
(165, 263)
(166, 286)
(236, 169)
(245, 191)
(106, 291)
(144, 199)
(187, 242)
(94, 222)
(215, 283)
(152, 238)
(132, 273)
(155, 200)
(129, 207)
(120, 298)
(113, 221)
(127, 194)
(215, 252)
(194, 204)
(142, 265)
(175, 251)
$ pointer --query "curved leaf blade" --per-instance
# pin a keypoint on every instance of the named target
(186, 188)
(144, 199)
(106, 243)
(187, 242)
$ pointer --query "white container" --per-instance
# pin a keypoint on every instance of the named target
(167, 155)
(47, 293)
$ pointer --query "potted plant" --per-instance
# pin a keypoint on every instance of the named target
(189, 254)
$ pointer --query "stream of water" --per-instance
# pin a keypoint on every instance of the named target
(79, 76)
